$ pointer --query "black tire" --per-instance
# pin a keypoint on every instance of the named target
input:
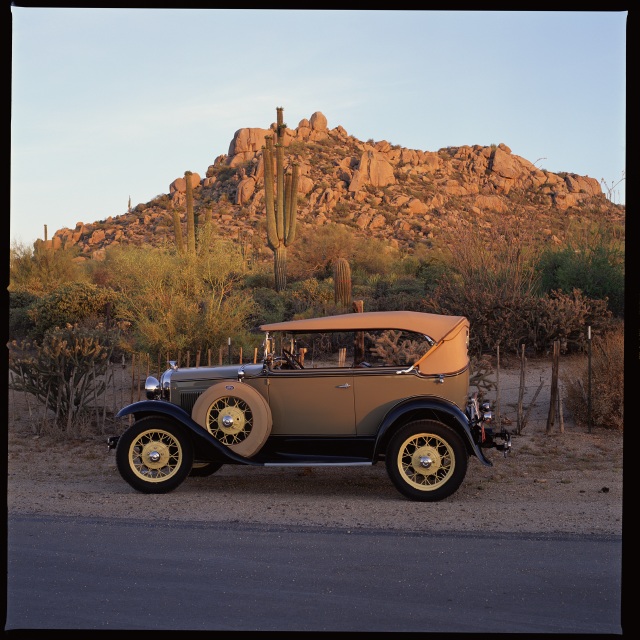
(426, 460)
(204, 469)
(154, 455)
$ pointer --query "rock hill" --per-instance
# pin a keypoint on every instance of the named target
(406, 196)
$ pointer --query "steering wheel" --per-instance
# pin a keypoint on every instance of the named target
(294, 363)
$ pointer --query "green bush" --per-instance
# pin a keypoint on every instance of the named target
(310, 297)
(270, 306)
(71, 304)
(40, 269)
(397, 294)
(21, 325)
(182, 303)
(594, 264)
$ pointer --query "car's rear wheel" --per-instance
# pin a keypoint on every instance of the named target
(203, 469)
(236, 415)
(154, 455)
(426, 460)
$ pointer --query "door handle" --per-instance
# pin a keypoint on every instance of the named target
(346, 385)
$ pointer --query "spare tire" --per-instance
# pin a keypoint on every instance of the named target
(236, 415)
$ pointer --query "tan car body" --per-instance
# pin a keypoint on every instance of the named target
(397, 391)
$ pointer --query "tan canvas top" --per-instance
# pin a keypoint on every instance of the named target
(434, 325)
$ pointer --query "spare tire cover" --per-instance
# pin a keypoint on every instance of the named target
(235, 414)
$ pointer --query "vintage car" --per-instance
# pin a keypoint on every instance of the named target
(350, 389)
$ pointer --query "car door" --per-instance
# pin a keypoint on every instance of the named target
(312, 402)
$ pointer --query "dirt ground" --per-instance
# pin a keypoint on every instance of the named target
(564, 481)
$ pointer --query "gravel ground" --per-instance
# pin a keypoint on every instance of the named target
(567, 481)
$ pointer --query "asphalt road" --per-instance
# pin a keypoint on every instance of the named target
(97, 574)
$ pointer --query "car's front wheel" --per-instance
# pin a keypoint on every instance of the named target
(154, 455)
(426, 460)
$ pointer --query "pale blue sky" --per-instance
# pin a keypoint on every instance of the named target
(109, 104)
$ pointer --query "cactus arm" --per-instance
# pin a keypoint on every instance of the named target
(291, 194)
(177, 228)
(191, 227)
(272, 235)
(280, 188)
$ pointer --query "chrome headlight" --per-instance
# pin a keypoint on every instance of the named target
(152, 388)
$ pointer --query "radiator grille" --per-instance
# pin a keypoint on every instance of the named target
(188, 399)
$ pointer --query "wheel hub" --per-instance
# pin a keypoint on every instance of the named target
(155, 455)
(426, 457)
(231, 420)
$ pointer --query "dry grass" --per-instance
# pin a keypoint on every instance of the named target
(607, 385)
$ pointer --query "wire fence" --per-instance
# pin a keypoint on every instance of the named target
(523, 413)
(124, 383)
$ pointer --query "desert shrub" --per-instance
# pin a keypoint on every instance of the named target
(429, 266)
(607, 384)
(21, 323)
(182, 302)
(496, 287)
(71, 304)
(40, 269)
(404, 293)
(595, 266)
(66, 371)
(270, 306)
(310, 297)
(564, 317)
(481, 372)
(373, 255)
(492, 285)
(261, 279)
(394, 347)
(316, 249)
(535, 322)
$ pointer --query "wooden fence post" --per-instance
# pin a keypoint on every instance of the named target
(554, 386)
(133, 374)
(498, 417)
(523, 366)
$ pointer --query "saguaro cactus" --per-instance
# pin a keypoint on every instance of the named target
(281, 207)
(177, 229)
(342, 282)
(191, 224)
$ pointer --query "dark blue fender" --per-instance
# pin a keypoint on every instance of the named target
(416, 408)
(145, 408)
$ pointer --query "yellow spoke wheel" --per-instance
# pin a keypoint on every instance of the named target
(154, 455)
(426, 460)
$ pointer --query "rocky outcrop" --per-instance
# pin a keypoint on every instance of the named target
(405, 196)
(180, 184)
(373, 169)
